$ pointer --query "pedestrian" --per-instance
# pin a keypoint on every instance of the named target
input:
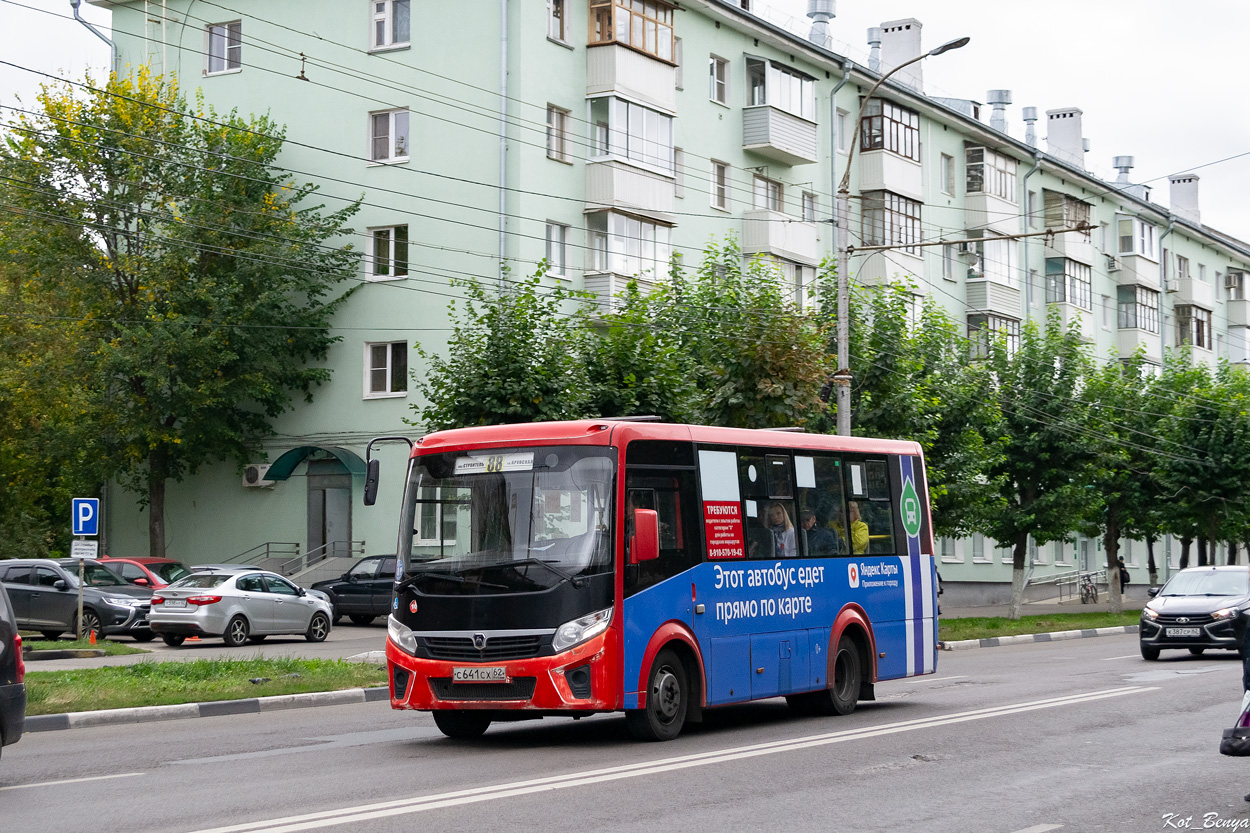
(1235, 741)
(1124, 577)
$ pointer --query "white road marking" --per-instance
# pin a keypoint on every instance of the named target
(70, 781)
(929, 679)
(1040, 828)
(403, 806)
(1104, 659)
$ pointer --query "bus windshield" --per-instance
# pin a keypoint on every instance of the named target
(500, 521)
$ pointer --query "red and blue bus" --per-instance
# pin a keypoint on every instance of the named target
(569, 568)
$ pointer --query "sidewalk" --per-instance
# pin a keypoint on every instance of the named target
(1039, 608)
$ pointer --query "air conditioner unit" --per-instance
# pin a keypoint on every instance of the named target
(966, 247)
(1172, 285)
(1114, 264)
(1232, 280)
(254, 475)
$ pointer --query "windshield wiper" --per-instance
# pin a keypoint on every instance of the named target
(576, 581)
(415, 577)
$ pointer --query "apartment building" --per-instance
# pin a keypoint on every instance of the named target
(606, 135)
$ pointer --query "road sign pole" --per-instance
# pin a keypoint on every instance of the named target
(81, 562)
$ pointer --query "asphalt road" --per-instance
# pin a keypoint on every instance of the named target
(1072, 736)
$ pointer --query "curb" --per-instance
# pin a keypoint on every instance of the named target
(1056, 636)
(253, 705)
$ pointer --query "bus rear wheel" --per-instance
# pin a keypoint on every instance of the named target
(667, 701)
(461, 725)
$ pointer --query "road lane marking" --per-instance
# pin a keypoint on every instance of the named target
(930, 679)
(70, 781)
(403, 806)
(1104, 659)
(1040, 828)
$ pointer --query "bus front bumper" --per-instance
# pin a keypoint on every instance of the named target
(577, 680)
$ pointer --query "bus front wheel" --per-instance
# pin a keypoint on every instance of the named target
(667, 700)
(461, 725)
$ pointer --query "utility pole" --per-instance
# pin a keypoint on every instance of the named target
(842, 378)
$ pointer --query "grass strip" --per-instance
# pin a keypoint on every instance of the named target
(110, 649)
(953, 630)
(169, 683)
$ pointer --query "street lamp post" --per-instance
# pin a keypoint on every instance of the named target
(842, 379)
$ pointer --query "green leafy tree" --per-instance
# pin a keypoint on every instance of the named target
(200, 284)
(515, 355)
(1047, 463)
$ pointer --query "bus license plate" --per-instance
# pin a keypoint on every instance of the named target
(175, 603)
(484, 674)
(1183, 631)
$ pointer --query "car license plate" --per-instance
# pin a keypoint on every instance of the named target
(483, 674)
(1183, 631)
(175, 603)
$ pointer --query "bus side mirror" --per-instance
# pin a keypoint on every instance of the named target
(372, 472)
(645, 543)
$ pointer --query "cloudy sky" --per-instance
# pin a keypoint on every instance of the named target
(1160, 81)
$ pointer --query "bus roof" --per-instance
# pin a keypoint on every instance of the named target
(619, 432)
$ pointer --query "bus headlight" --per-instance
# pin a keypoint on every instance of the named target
(401, 635)
(579, 630)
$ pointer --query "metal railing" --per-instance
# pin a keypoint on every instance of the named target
(330, 549)
(261, 552)
(1070, 582)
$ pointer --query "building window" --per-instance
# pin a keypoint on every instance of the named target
(557, 248)
(720, 185)
(983, 330)
(556, 20)
(1202, 272)
(1031, 208)
(625, 130)
(389, 136)
(997, 260)
(647, 27)
(890, 220)
(1193, 326)
(225, 47)
(886, 126)
(679, 174)
(946, 174)
(386, 369)
(1062, 211)
(391, 23)
(769, 194)
(777, 86)
(718, 79)
(844, 131)
(679, 76)
(1136, 237)
(948, 262)
(1069, 282)
(809, 207)
(628, 245)
(557, 133)
(987, 172)
(1182, 268)
(388, 255)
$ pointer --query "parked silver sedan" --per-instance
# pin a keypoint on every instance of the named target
(238, 607)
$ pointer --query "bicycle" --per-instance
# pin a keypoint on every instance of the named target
(1089, 590)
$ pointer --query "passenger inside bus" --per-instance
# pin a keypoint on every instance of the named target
(784, 545)
(819, 541)
(859, 529)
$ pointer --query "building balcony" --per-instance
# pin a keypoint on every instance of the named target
(1071, 314)
(1195, 292)
(780, 234)
(613, 68)
(883, 268)
(986, 211)
(614, 184)
(881, 170)
(1238, 313)
(606, 286)
(1134, 270)
(778, 135)
(1129, 341)
(995, 297)
(1075, 245)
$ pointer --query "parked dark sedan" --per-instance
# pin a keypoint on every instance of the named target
(44, 592)
(364, 592)
(1196, 610)
(12, 672)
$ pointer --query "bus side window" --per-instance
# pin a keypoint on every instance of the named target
(868, 486)
(822, 506)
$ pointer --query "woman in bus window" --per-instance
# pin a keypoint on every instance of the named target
(783, 531)
(859, 529)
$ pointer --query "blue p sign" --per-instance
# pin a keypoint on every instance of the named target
(86, 519)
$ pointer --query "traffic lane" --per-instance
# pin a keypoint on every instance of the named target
(323, 759)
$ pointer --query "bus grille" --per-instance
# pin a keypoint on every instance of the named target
(497, 648)
(519, 688)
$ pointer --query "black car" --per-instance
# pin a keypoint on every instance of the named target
(44, 592)
(363, 592)
(1197, 609)
(12, 671)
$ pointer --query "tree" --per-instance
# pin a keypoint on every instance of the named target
(1047, 466)
(199, 285)
(515, 355)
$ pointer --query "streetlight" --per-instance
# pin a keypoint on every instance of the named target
(842, 379)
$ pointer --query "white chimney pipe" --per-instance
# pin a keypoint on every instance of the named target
(900, 42)
(1063, 136)
(1183, 197)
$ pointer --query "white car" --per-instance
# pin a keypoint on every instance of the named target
(239, 607)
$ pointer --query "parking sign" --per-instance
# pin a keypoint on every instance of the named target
(86, 516)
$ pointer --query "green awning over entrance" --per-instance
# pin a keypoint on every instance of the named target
(281, 468)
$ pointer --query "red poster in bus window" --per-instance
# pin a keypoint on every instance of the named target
(723, 521)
